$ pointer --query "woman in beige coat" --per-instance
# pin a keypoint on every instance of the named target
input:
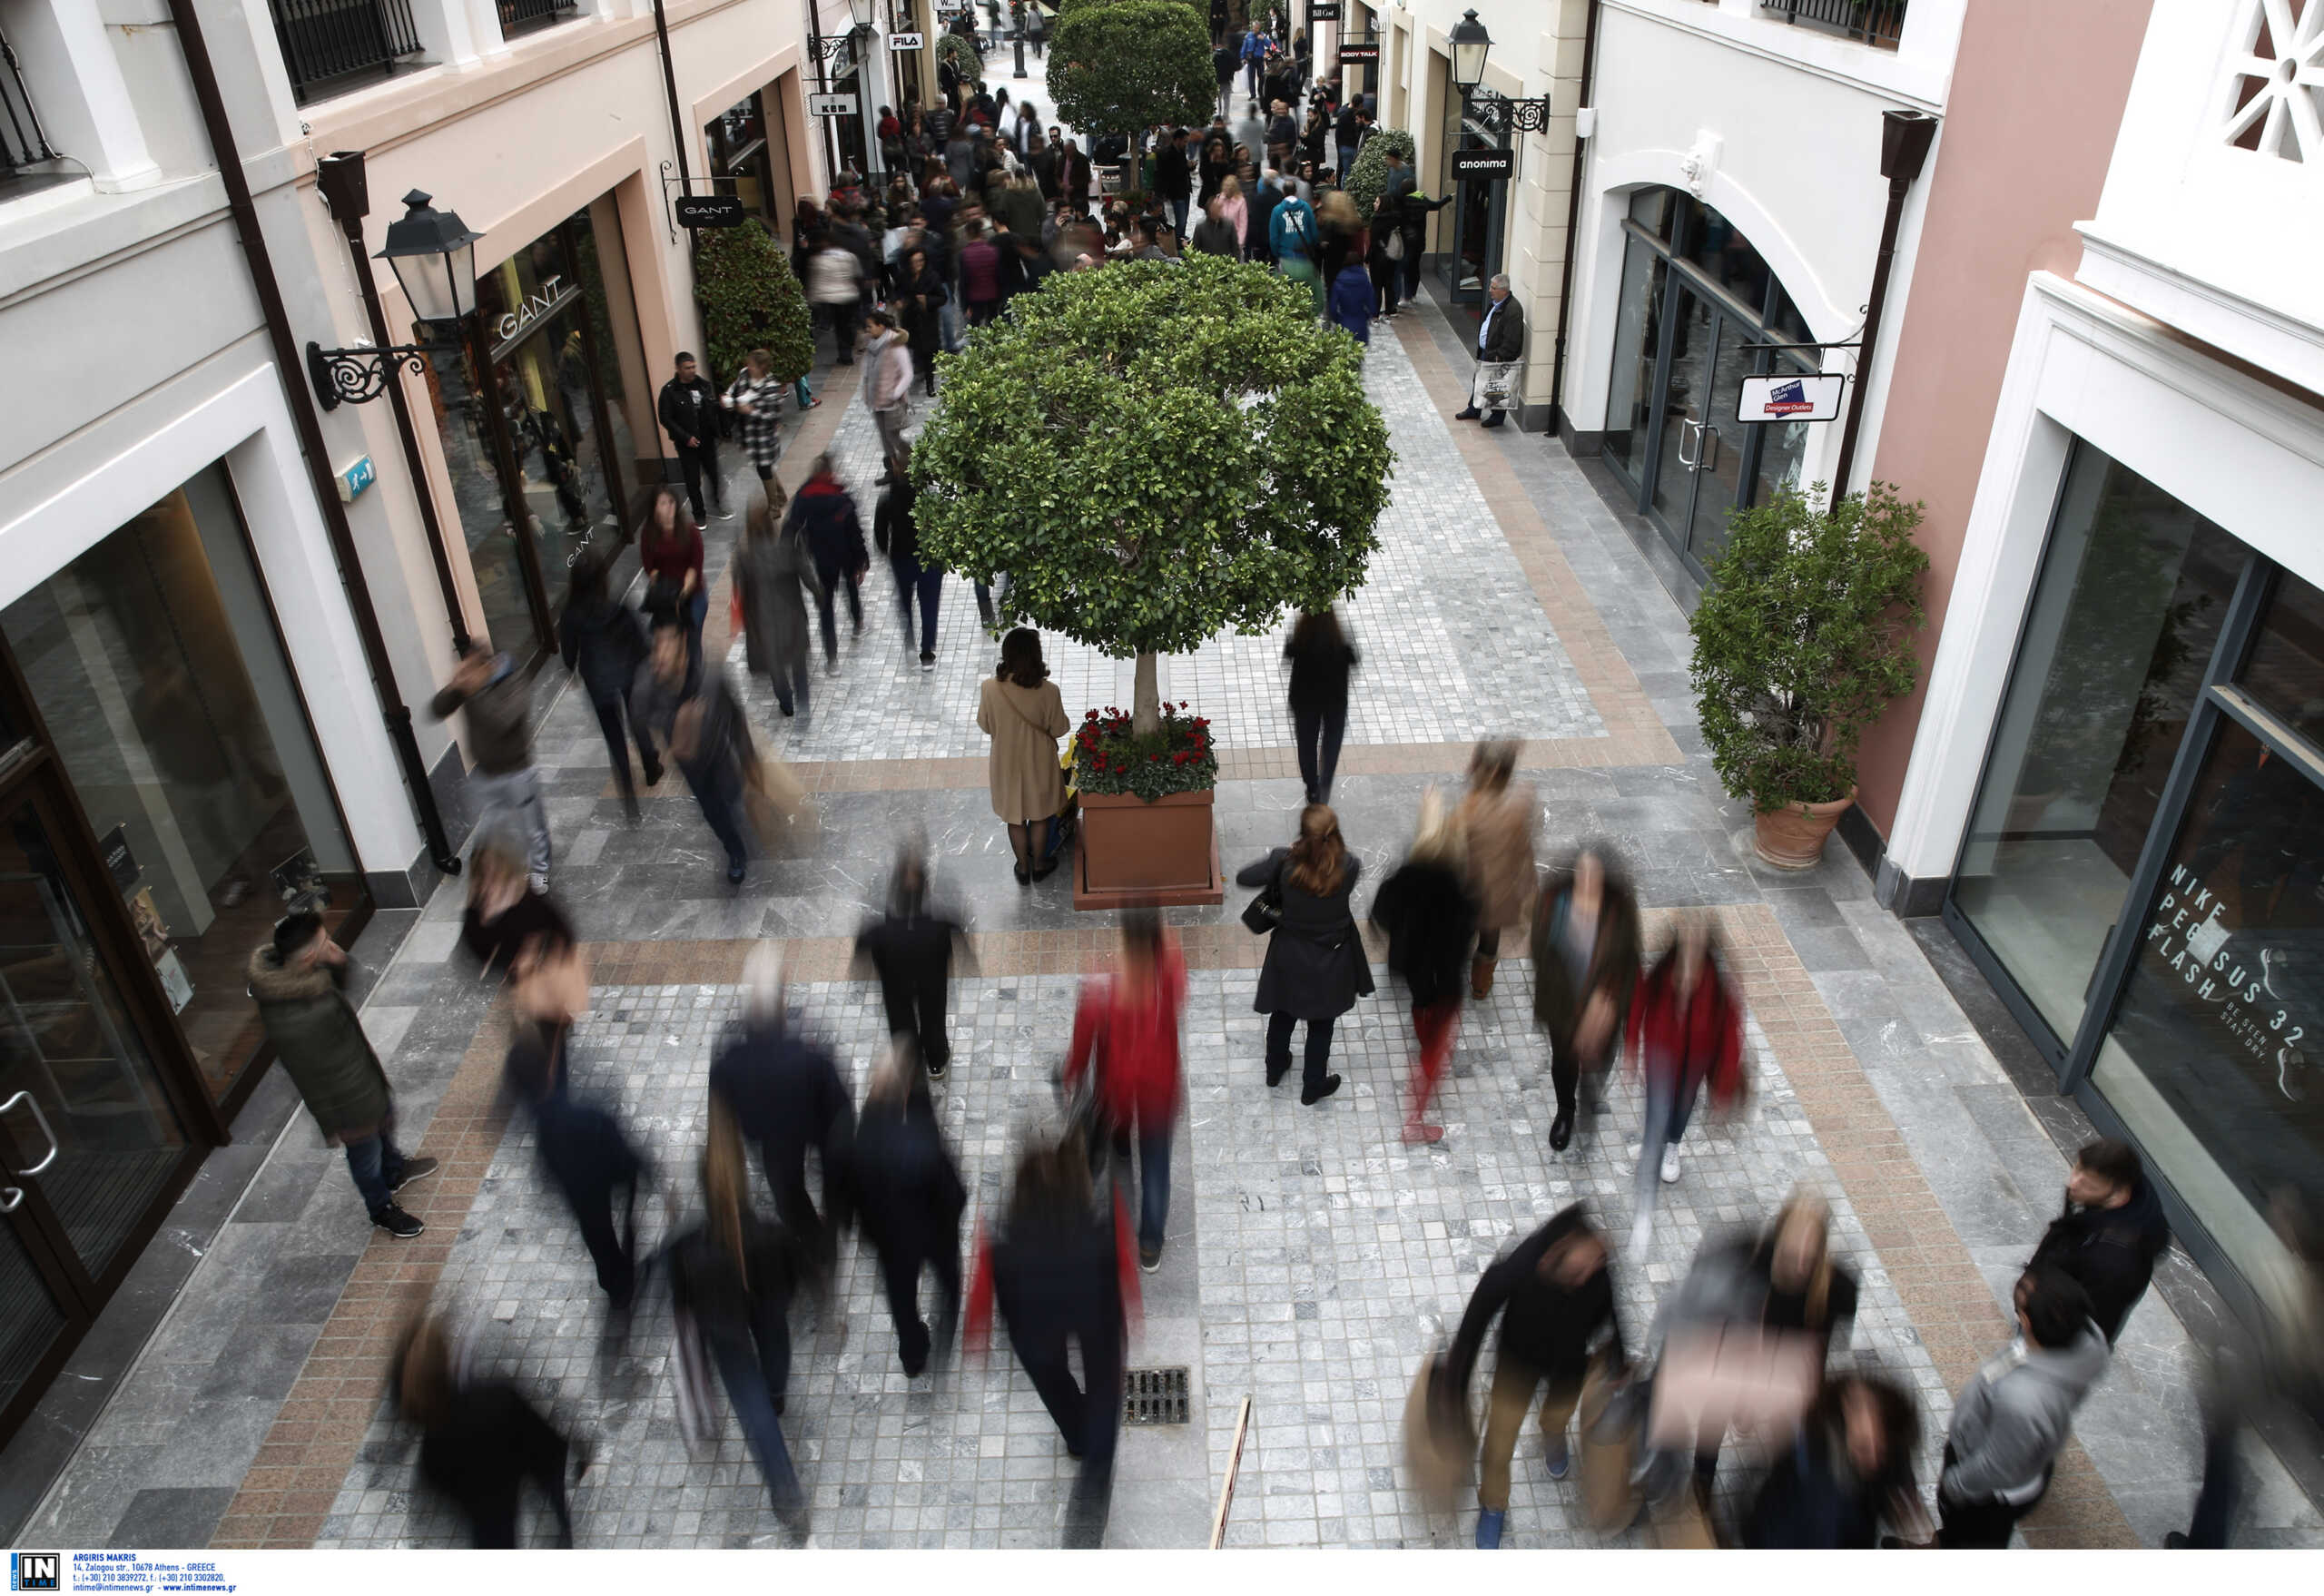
(1498, 820)
(1019, 709)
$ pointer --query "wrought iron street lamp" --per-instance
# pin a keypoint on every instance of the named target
(1471, 42)
(433, 255)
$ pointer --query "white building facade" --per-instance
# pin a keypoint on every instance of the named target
(2115, 782)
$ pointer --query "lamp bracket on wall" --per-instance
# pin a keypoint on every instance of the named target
(1501, 114)
(358, 375)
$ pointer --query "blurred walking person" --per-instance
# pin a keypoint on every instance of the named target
(774, 574)
(910, 947)
(497, 694)
(1684, 1035)
(1125, 1037)
(896, 532)
(602, 639)
(480, 1440)
(886, 386)
(1849, 1467)
(1019, 707)
(690, 710)
(1585, 946)
(299, 981)
(822, 513)
(587, 1157)
(909, 1198)
(1430, 918)
(2016, 1413)
(1554, 1296)
(787, 1097)
(669, 551)
(731, 1276)
(1499, 819)
(1316, 966)
(1058, 1270)
(1320, 657)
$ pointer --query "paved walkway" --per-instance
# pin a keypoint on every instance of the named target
(1312, 1255)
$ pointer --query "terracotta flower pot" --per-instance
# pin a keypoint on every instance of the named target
(1792, 837)
(1131, 851)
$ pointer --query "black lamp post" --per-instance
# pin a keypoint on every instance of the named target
(1018, 6)
(434, 257)
(1471, 42)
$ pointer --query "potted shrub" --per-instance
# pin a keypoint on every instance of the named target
(750, 301)
(1802, 639)
(1125, 66)
(1155, 452)
(1367, 180)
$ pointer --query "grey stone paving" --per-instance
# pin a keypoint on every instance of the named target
(1325, 1256)
(1454, 645)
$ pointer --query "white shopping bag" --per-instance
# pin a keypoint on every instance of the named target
(1496, 385)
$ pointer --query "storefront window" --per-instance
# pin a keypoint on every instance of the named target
(738, 152)
(2210, 1058)
(2122, 623)
(1638, 344)
(156, 664)
(2287, 670)
(493, 555)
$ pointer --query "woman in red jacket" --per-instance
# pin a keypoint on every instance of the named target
(1127, 1030)
(1685, 1031)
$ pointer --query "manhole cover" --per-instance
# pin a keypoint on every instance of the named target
(1156, 1396)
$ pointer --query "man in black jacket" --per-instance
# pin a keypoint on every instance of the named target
(787, 1097)
(688, 410)
(2110, 1234)
(910, 947)
(1499, 340)
(1174, 178)
(1554, 1294)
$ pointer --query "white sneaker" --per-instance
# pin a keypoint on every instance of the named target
(1641, 1233)
(538, 882)
(1670, 1166)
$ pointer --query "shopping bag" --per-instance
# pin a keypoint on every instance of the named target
(1439, 1449)
(1609, 1415)
(780, 815)
(1496, 386)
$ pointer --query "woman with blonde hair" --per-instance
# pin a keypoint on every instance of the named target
(1498, 818)
(1315, 967)
(732, 1274)
(1426, 908)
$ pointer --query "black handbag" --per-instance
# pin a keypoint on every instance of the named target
(1263, 912)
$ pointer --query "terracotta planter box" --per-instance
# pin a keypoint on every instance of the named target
(1792, 837)
(1133, 851)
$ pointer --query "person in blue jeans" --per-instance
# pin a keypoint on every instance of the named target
(297, 979)
(733, 1275)
(1125, 1037)
(896, 534)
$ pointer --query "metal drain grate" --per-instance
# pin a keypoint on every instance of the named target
(1156, 1396)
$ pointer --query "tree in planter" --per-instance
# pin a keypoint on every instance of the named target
(1367, 180)
(750, 300)
(1127, 65)
(1155, 453)
(1802, 639)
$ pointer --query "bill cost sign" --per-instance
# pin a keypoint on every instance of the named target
(1791, 399)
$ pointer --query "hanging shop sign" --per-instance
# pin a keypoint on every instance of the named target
(830, 105)
(1788, 397)
(710, 210)
(900, 43)
(1359, 53)
(1484, 165)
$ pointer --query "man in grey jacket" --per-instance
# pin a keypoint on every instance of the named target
(2010, 1421)
(497, 693)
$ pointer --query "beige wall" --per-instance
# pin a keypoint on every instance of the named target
(2037, 94)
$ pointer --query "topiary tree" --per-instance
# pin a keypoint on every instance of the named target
(1367, 180)
(1124, 65)
(1803, 637)
(1155, 453)
(750, 299)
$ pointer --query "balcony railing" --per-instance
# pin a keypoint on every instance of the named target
(22, 141)
(524, 16)
(1877, 22)
(332, 45)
